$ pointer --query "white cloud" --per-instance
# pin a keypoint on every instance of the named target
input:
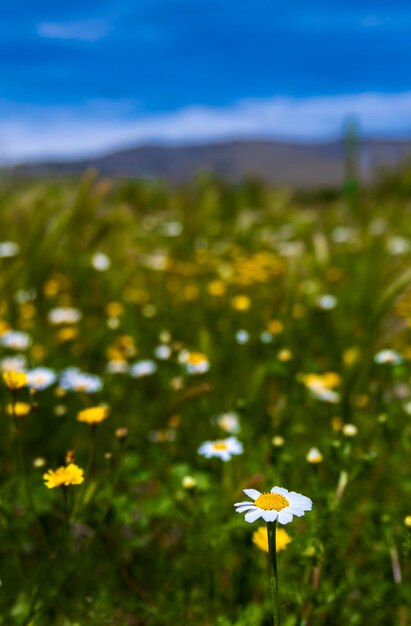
(82, 30)
(53, 132)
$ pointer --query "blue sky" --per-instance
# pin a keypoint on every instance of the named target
(83, 77)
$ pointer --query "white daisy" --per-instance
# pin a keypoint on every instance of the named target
(8, 249)
(278, 505)
(229, 422)
(64, 315)
(100, 261)
(224, 449)
(143, 368)
(13, 363)
(389, 357)
(41, 378)
(15, 340)
(72, 379)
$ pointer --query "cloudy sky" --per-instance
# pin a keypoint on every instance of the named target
(86, 76)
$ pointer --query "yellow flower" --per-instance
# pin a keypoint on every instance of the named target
(407, 521)
(216, 288)
(241, 303)
(275, 327)
(93, 415)
(15, 380)
(19, 409)
(284, 355)
(64, 476)
(114, 309)
(260, 538)
(67, 334)
(4, 326)
(328, 380)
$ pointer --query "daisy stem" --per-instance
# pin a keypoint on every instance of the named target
(272, 549)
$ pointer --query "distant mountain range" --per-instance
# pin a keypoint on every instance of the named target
(296, 164)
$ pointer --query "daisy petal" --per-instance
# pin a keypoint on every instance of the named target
(299, 500)
(270, 516)
(284, 518)
(252, 493)
(248, 507)
(251, 516)
(294, 510)
(280, 490)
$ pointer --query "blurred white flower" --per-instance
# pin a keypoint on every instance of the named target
(8, 249)
(349, 430)
(398, 245)
(41, 378)
(314, 456)
(64, 315)
(15, 340)
(326, 302)
(389, 357)
(117, 367)
(143, 368)
(223, 449)
(25, 295)
(162, 352)
(242, 336)
(229, 422)
(266, 337)
(73, 379)
(100, 262)
(13, 363)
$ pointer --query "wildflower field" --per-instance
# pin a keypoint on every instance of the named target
(162, 350)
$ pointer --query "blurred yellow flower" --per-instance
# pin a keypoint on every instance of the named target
(51, 287)
(64, 476)
(93, 415)
(114, 309)
(328, 380)
(37, 351)
(360, 400)
(284, 355)
(194, 362)
(216, 288)
(67, 334)
(189, 482)
(260, 538)
(350, 356)
(337, 423)
(275, 327)
(4, 326)
(19, 409)
(407, 521)
(298, 311)
(241, 303)
(191, 291)
(15, 380)
(27, 311)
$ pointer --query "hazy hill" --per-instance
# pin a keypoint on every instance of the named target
(300, 164)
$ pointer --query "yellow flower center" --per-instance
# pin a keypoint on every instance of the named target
(220, 445)
(196, 358)
(271, 502)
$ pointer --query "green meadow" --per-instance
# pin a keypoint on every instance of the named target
(163, 349)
